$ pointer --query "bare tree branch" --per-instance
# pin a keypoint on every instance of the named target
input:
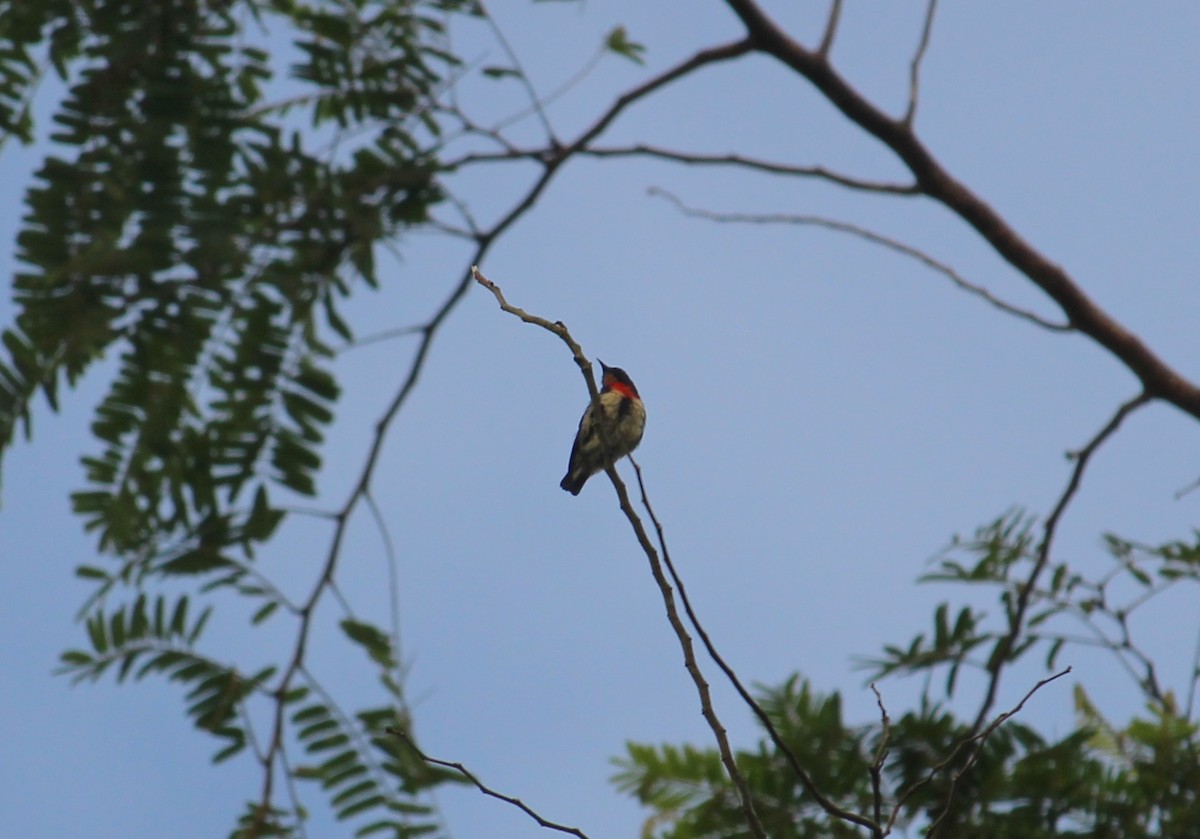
(914, 75)
(875, 238)
(1005, 645)
(810, 786)
(1158, 379)
(681, 633)
(770, 167)
(482, 787)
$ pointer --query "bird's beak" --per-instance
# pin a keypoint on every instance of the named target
(602, 364)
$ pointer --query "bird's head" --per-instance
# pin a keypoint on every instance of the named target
(614, 378)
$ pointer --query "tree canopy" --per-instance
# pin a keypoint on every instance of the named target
(225, 189)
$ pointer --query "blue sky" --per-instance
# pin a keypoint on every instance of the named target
(823, 414)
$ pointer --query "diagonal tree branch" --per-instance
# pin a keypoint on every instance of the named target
(403, 737)
(1158, 379)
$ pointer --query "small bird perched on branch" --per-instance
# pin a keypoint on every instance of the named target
(623, 416)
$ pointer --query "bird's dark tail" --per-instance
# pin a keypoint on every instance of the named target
(573, 482)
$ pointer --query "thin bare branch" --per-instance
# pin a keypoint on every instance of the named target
(512, 155)
(1006, 644)
(835, 16)
(484, 788)
(685, 641)
(914, 74)
(1195, 678)
(805, 779)
(767, 166)
(875, 238)
(311, 512)
(577, 77)
(712, 55)
(1179, 493)
(881, 753)
(385, 335)
(393, 578)
(979, 740)
(535, 102)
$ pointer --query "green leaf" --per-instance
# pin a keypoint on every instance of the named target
(264, 612)
(501, 72)
(618, 41)
(375, 641)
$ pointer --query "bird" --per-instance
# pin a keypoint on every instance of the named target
(624, 416)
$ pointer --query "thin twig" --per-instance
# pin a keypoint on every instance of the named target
(914, 75)
(881, 753)
(1017, 620)
(385, 335)
(685, 642)
(534, 101)
(804, 777)
(1191, 694)
(979, 740)
(835, 16)
(554, 156)
(1179, 493)
(393, 578)
(875, 238)
(767, 166)
(484, 788)
(712, 55)
(558, 92)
